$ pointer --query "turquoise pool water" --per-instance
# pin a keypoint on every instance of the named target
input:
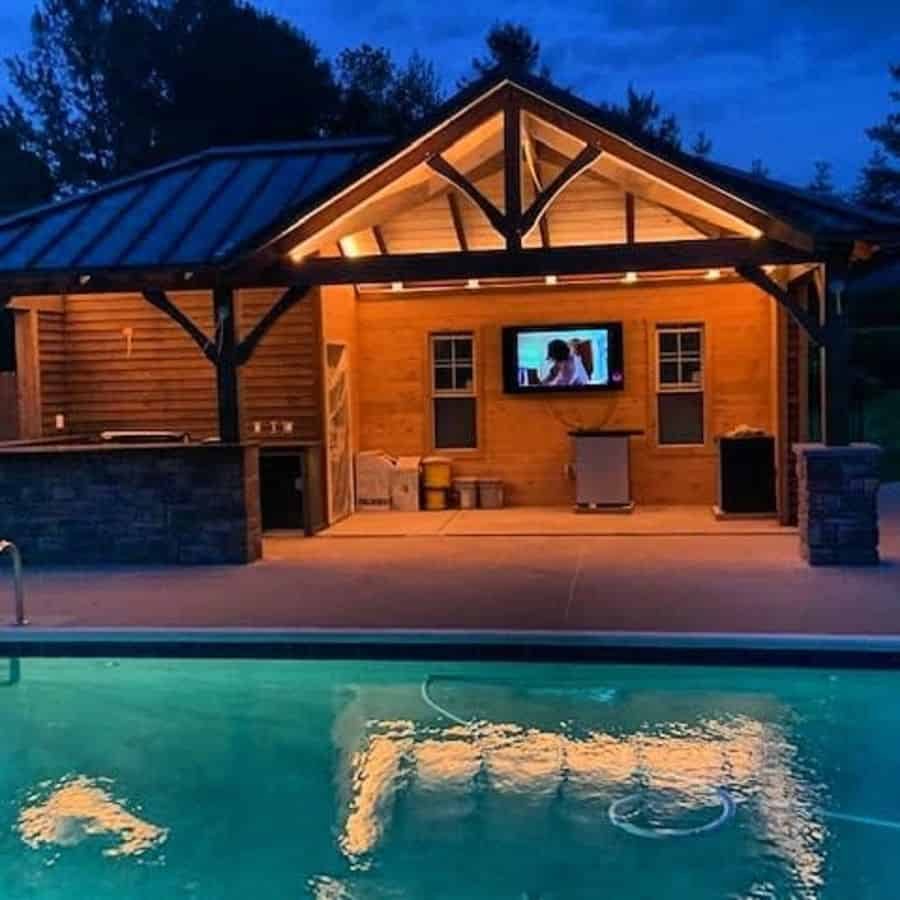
(265, 780)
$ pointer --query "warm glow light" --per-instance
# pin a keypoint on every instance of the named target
(396, 285)
(630, 278)
(473, 283)
(768, 269)
(550, 279)
(348, 246)
(756, 234)
(713, 275)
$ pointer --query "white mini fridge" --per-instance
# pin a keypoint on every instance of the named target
(602, 470)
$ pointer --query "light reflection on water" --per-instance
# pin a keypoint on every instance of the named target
(447, 775)
(76, 808)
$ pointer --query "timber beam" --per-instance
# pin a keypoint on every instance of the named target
(600, 259)
(755, 275)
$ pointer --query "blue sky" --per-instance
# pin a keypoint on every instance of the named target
(786, 82)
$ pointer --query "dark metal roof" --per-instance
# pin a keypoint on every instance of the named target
(196, 211)
(215, 207)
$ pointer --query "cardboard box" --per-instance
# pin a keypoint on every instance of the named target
(373, 480)
(405, 484)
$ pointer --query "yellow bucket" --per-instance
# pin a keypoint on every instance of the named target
(435, 498)
(437, 472)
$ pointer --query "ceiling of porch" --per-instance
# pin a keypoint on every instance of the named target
(609, 201)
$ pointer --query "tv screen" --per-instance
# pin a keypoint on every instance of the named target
(579, 357)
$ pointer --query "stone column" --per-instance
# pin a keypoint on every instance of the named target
(838, 503)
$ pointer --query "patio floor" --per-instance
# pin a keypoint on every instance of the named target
(590, 583)
(522, 521)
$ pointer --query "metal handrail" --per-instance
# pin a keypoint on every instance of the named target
(17, 580)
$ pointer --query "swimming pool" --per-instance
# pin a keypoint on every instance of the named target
(336, 779)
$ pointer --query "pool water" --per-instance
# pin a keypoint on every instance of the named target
(268, 780)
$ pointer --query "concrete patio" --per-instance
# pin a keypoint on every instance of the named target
(730, 583)
(531, 521)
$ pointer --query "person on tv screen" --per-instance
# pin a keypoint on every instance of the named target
(566, 367)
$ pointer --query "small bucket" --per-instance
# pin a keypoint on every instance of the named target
(436, 472)
(490, 493)
(467, 492)
(435, 498)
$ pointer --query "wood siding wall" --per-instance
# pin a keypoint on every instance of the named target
(158, 379)
(115, 362)
(282, 381)
(524, 440)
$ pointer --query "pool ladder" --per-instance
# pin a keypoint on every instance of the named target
(18, 590)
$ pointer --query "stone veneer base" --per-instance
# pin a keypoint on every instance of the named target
(838, 503)
(96, 504)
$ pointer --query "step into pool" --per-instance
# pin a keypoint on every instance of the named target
(219, 779)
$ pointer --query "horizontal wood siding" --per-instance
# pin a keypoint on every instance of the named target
(161, 381)
(52, 356)
(282, 381)
(524, 440)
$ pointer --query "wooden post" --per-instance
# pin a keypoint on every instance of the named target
(226, 365)
(512, 153)
(835, 356)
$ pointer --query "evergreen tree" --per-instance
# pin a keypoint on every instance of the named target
(377, 96)
(878, 186)
(702, 145)
(109, 86)
(822, 182)
(512, 49)
(643, 115)
(26, 179)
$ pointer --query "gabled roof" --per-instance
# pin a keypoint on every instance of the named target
(199, 210)
(222, 205)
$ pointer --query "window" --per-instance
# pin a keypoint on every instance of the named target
(679, 381)
(453, 391)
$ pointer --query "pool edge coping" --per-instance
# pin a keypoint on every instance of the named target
(699, 648)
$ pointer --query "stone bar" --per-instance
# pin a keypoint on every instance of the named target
(181, 504)
(838, 503)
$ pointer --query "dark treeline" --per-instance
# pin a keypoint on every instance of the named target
(108, 87)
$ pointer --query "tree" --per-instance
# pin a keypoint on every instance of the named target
(643, 115)
(110, 86)
(822, 182)
(876, 187)
(879, 182)
(759, 169)
(87, 84)
(512, 49)
(26, 179)
(702, 145)
(377, 96)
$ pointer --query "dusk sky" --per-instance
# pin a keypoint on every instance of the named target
(786, 82)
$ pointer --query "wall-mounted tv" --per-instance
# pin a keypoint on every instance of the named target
(570, 357)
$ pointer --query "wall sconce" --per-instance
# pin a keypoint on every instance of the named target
(128, 334)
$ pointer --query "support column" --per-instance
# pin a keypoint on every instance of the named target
(226, 365)
(835, 356)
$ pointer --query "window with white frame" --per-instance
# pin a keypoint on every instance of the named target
(453, 394)
(679, 384)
